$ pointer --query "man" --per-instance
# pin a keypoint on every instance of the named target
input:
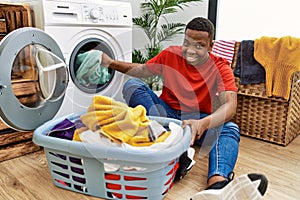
(193, 79)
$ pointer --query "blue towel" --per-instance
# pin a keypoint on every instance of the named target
(90, 70)
(247, 68)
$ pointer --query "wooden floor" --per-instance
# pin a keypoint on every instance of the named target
(27, 177)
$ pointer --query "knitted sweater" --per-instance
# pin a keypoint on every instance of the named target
(281, 58)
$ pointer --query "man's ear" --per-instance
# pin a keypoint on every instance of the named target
(211, 45)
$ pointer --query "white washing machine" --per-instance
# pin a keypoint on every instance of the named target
(64, 30)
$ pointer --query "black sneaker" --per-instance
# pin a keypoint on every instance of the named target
(218, 185)
(186, 163)
(246, 187)
(221, 184)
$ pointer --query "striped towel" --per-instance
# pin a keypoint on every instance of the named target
(224, 49)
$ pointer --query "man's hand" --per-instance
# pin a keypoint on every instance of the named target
(197, 128)
(106, 60)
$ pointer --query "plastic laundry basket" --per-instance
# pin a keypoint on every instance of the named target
(109, 172)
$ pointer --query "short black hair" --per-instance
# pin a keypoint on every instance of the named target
(202, 24)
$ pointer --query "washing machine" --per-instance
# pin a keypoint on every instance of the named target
(40, 64)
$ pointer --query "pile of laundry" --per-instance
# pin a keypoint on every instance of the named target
(111, 122)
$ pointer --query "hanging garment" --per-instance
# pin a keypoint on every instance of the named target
(224, 49)
(247, 68)
(281, 58)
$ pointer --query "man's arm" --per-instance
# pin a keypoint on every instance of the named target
(227, 109)
(131, 69)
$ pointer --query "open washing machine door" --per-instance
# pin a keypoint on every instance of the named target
(33, 78)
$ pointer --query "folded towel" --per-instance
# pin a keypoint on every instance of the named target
(119, 122)
(247, 68)
(281, 58)
(90, 70)
(224, 49)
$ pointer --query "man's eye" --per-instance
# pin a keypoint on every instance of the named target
(185, 43)
(198, 46)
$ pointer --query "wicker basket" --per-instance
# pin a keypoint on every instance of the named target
(271, 119)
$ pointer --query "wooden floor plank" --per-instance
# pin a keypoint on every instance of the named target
(28, 177)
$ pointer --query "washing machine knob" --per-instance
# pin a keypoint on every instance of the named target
(95, 13)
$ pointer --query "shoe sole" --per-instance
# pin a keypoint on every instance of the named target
(245, 187)
(191, 154)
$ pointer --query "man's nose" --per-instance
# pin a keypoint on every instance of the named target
(191, 50)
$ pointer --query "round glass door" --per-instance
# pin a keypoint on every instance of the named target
(38, 76)
(33, 78)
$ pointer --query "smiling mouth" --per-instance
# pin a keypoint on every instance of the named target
(191, 59)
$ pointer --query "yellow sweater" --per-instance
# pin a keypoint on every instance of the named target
(281, 58)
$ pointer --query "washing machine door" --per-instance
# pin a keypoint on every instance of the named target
(33, 78)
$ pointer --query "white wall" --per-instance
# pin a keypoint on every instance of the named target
(139, 38)
(194, 10)
(241, 20)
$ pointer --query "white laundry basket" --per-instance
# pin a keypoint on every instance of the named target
(136, 174)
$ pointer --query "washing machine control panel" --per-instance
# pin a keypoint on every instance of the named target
(106, 14)
(96, 13)
(90, 12)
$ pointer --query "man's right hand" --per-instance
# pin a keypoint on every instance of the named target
(106, 60)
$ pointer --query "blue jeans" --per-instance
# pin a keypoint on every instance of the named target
(221, 143)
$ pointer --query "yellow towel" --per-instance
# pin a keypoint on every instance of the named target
(281, 58)
(76, 135)
(119, 122)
